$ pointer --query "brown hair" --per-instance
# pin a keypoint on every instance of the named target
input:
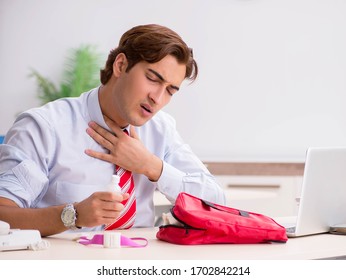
(151, 43)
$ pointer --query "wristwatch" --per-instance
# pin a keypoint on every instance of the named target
(69, 217)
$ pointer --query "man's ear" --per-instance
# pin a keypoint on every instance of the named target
(120, 64)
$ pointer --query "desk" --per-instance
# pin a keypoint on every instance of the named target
(62, 247)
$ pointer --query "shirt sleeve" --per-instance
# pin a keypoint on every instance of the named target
(23, 164)
(200, 184)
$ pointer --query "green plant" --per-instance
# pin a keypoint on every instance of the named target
(80, 73)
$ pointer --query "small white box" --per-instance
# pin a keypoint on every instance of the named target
(111, 239)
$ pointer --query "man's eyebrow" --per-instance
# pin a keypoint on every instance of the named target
(162, 79)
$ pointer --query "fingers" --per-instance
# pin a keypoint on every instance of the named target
(104, 138)
(100, 208)
(100, 135)
(124, 151)
(119, 132)
(111, 196)
(112, 208)
(114, 127)
(98, 155)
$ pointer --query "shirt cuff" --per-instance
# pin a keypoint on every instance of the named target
(170, 181)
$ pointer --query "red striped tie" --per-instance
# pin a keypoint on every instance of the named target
(127, 216)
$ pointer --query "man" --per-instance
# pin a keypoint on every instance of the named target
(58, 158)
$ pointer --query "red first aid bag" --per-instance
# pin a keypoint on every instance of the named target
(202, 222)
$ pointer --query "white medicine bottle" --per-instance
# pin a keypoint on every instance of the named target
(113, 185)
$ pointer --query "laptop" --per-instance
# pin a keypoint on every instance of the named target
(323, 195)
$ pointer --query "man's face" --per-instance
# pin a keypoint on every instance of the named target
(140, 93)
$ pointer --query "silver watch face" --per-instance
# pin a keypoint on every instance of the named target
(68, 216)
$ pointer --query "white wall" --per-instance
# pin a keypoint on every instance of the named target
(272, 73)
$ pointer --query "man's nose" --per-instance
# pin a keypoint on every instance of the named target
(157, 95)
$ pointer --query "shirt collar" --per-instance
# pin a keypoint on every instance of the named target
(94, 108)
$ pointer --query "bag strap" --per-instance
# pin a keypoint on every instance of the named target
(212, 205)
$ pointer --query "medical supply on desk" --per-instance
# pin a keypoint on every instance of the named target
(16, 239)
(112, 239)
(195, 221)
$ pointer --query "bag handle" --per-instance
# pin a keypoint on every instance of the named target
(212, 205)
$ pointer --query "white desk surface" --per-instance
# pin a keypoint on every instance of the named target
(62, 247)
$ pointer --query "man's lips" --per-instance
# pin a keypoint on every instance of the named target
(147, 108)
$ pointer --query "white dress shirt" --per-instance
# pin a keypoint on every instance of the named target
(42, 161)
